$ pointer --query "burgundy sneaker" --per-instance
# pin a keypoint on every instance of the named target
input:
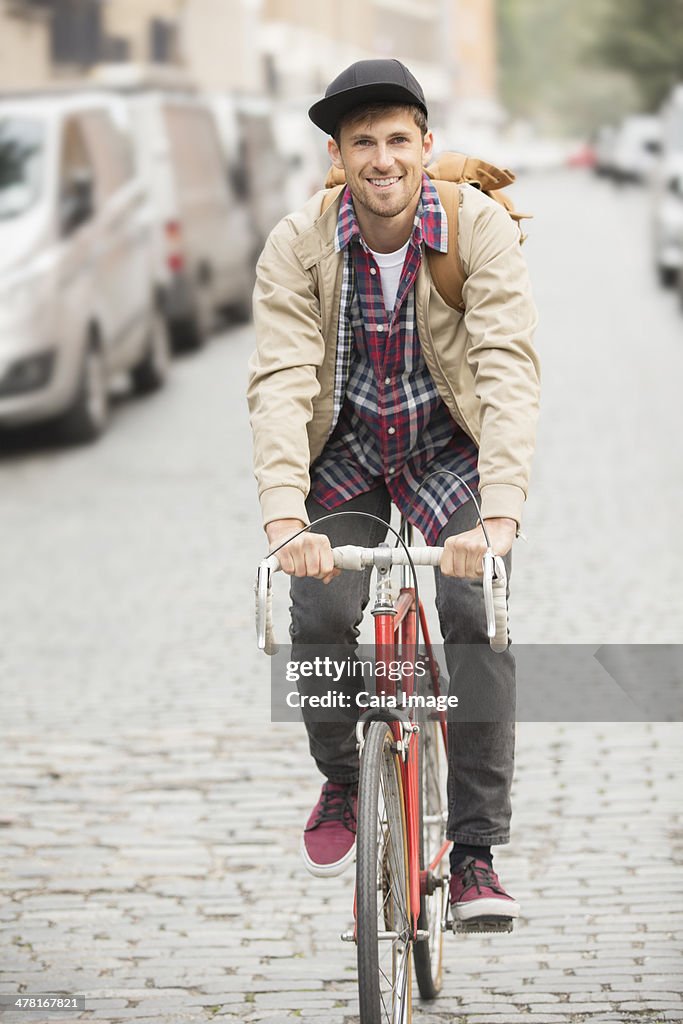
(478, 900)
(328, 844)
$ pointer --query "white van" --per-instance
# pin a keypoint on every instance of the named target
(256, 169)
(205, 242)
(637, 145)
(667, 195)
(276, 156)
(77, 296)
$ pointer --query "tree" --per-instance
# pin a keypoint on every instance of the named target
(645, 39)
(544, 72)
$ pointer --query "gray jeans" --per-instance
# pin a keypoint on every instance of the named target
(480, 753)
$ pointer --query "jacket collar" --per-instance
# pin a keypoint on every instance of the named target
(316, 242)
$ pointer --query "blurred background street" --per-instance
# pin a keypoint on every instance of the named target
(150, 812)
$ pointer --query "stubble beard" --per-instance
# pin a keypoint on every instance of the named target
(382, 209)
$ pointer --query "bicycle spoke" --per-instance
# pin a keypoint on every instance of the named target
(403, 980)
(396, 873)
(397, 870)
(384, 1005)
(384, 976)
(390, 903)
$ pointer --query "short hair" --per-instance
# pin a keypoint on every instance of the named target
(370, 111)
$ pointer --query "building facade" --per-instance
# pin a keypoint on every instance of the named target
(25, 51)
(42, 41)
(281, 49)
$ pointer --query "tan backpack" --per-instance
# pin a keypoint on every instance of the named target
(449, 172)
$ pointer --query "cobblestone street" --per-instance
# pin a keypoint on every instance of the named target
(150, 813)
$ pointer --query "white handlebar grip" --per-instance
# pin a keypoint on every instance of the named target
(348, 556)
(499, 642)
(421, 556)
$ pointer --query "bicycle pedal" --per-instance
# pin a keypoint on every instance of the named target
(478, 925)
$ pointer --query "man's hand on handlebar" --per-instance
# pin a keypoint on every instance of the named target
(310, 554)
(463, 554)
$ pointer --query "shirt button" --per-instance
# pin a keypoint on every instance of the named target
(387, 380)
(392, 471)
(373, 271)
(380, 328)
(391, 430)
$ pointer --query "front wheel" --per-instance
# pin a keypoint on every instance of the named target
(383, 922)
(667, 276)
(87, 417)
(187, 335)
(152, 371)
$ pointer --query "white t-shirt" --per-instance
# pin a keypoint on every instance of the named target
(390, 266)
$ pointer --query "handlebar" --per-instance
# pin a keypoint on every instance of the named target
(354, 558)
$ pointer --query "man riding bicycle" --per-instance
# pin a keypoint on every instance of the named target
(364, 383)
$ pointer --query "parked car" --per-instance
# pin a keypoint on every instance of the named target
(303, 150)
(77, 296)
(667, 219)
(636, 147)
(255, 167)
(667, 200)
(276, 157)
(204, 240)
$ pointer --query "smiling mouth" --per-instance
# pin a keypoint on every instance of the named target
(383, 182)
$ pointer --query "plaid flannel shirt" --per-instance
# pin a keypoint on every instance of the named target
(390, 425)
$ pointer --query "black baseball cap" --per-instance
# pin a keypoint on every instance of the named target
(366, 81)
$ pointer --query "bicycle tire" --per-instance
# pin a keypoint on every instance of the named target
(432, 773)
(382, 890)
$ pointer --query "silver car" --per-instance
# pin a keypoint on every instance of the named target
(77, 300)
(667, 198)
(667, 219)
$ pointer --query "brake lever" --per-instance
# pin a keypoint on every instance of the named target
(263, 584)
(489, 573)
(262, 588)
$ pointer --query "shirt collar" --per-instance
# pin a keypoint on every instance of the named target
(430, 225)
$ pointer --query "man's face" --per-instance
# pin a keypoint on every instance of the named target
(383, 159)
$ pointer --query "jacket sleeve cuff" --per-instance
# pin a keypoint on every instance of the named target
(502, 501)
(283, 503)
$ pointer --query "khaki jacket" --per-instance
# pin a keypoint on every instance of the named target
(482, 362)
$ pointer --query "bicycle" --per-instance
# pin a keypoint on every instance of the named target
(401, 907)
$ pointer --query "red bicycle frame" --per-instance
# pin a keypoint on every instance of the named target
(392, 622)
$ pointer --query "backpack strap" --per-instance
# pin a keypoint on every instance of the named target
(448, 273)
